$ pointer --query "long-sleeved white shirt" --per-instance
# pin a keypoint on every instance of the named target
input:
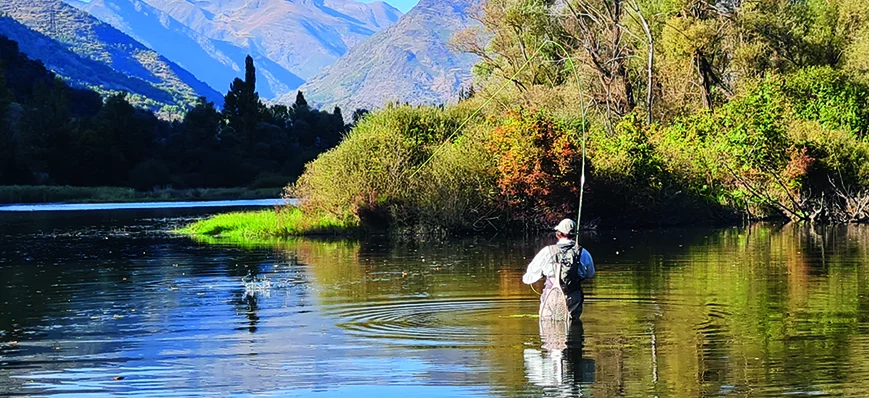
(543, 263)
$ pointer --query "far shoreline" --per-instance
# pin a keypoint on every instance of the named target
(52, 194)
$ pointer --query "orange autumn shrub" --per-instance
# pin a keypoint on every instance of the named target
(538, 161)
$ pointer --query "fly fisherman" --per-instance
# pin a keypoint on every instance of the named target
(565, 265)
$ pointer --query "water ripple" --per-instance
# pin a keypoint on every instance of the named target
(453, 322)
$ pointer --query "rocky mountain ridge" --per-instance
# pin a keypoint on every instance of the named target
(290, 40)
(91, 53)
(411, 61)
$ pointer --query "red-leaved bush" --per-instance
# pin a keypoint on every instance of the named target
(538, 165)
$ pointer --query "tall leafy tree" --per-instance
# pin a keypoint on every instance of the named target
(200, 126)
(47, 130)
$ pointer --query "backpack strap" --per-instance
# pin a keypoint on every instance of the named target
(553, 249)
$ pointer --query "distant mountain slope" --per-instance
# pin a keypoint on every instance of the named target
(62, 30)
(301, 36)
(408, 62)
(214, 62)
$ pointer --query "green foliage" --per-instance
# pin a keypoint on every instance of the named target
(61, 135)
(371, 175)
(523, 26)
(242, 107)
(281, 222)
(829, 96)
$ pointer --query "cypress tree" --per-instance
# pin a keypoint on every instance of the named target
(301, 104)
(6, 153)
(253, 107)
(242, 107)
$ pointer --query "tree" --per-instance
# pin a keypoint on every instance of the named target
(242, 107)
(301, 105)
(358, 115)
(45, 141)
(200, 126)
(339, 119)
(598, 26)
(6, 146)
(511, 43)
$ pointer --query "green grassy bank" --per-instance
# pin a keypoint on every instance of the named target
(53, 194)
(247, 225)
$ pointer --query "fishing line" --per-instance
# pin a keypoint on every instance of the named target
(535, 290)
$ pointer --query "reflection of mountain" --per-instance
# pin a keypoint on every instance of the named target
(62, 30)
(291, 40)
(410, 61)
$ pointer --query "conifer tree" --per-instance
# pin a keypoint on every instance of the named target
(242, 107)
(301, 104)
(6, 153)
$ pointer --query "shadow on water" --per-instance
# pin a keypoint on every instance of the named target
(764, 310)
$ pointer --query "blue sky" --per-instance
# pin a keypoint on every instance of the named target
(402, 5)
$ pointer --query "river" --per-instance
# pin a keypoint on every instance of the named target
(113, 303)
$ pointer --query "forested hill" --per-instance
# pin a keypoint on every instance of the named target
(52, 134)
(58, 30)
(411, 61)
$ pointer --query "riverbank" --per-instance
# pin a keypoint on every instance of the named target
(23, 194)
(279, 223)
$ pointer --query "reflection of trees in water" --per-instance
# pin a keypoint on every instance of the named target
(675, 313)
(380, 268)
(765, 305)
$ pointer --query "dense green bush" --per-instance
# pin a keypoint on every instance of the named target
(788, 146)
(375, 174)
(829, 96)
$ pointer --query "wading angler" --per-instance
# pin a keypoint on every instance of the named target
(565, 265)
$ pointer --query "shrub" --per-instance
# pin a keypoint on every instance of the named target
(538, 162)
(373, 175)
(830, 97)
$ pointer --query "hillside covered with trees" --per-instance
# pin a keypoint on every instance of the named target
(691, 112)
(53, 134)
(90, 53)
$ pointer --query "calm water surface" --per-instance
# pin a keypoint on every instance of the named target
(111, 303)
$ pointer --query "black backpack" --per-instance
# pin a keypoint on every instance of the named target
(572, 270)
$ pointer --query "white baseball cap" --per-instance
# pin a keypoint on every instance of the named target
(566, 226)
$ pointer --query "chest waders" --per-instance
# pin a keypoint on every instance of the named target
(561, 303)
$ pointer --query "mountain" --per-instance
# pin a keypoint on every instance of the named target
(91, 53)
(410, 61)
(290, 40)
(215, 62)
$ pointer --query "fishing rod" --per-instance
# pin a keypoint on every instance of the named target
(583, 111)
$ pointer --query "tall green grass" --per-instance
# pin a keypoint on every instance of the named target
(283, 222)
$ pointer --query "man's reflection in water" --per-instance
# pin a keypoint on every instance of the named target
(559, 366)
